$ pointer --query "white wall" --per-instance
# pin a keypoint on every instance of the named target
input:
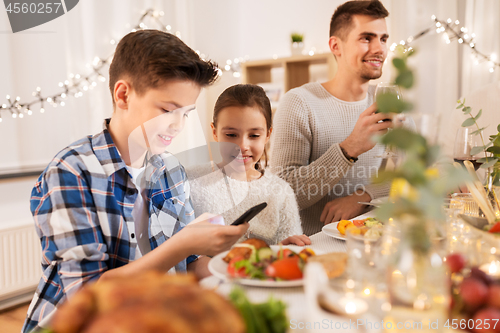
(222, 29)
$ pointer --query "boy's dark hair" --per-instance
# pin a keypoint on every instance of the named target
(148, 58)
(341, 22)
(246, 95)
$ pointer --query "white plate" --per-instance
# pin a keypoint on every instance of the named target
(332, 231)
(218, 268)
(380, 201)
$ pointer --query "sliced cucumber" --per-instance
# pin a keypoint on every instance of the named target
(264, 253)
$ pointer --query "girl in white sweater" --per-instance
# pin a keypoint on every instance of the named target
(242, 125)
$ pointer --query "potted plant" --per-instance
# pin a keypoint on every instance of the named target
(297, 43)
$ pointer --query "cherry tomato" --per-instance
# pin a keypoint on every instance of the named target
(286, 253)
(495, 228)
(359, 223)
(286, 269)
(232, 271)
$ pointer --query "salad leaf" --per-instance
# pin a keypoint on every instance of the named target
(251, 270)
(268, 317)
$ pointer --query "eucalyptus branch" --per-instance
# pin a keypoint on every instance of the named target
(486, 162)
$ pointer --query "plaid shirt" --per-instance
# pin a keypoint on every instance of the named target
(82, 206)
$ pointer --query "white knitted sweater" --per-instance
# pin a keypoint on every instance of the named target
(210, 194)
(308, 127)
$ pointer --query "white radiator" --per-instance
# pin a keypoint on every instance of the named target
(20, 269)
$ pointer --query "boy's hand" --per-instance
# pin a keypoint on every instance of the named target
(299, 240)
(204, 237)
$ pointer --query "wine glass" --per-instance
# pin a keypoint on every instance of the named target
(464, 142)
(383, 88)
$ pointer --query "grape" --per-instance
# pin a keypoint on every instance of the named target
(456, 262)
(494, 296)
(478, 274)
(473, 292)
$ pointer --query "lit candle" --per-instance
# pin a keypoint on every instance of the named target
(492, 269)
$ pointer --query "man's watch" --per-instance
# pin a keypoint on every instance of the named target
(349, 158)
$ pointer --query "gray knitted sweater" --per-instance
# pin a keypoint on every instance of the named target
(308, 127)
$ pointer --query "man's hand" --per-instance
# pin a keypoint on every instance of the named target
(344, 208)
(367, 126)
(299, 240)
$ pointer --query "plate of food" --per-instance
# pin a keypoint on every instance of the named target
(254, 263)
(366, 225)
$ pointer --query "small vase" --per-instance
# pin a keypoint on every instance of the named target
(297, 48)
(416, 278)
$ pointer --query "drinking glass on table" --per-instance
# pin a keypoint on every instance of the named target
(464, 142)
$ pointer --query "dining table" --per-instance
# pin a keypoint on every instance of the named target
(294, 297)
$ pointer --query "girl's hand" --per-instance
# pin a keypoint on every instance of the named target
(299, 240)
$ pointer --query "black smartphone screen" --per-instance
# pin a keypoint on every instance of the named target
(250, 214)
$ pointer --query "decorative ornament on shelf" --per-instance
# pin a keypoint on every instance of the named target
(297, 43)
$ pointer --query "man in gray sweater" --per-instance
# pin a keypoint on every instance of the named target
(323, 132)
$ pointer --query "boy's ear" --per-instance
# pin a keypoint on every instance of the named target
(122, 93)
(214, 132)
(334, 44)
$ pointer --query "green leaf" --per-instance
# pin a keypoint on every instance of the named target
(498, 127)
(399, 63)
(467, 109)
(494, 150)
(403, 138)
(478, 131)
(483, 160)
(405, 79)
(460, 106)
(489, 164)
(476, 150)
(468, 122)
(478, 114)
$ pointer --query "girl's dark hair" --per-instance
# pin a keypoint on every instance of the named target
(249, 95)
(148, 58)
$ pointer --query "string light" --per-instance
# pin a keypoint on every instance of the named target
(453, 31)
(76, 84)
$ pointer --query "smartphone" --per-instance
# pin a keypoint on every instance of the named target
(250, 214)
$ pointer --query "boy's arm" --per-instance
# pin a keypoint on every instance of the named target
(200, 267)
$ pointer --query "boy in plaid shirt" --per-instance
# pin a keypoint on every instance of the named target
(107, 204)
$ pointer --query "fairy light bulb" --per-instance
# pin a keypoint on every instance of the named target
(42, 110)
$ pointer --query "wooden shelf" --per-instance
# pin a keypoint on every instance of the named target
(296, 69)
